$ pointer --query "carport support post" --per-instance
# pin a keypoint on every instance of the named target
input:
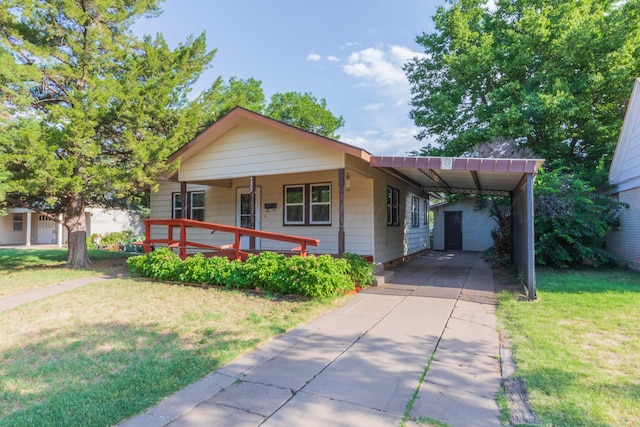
(531, 258)
(341, 212)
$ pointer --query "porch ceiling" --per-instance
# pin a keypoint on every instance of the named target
(460, 175)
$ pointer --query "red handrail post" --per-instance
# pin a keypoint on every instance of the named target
(183, 241)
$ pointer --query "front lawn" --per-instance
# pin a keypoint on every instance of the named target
(102, 353)
(577, 346)
(22, 270)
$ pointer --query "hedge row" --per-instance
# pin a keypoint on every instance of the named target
(312, 276)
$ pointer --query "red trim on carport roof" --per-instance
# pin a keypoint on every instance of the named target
(459, 164)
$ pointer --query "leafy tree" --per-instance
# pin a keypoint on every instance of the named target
(304, 111)
(572, 220)
(89, 113)
(553, 75)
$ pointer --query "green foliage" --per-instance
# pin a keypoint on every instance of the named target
(555, 76)
(303, 110)
(161, 264)
(360, 270)
(572, 220)
(312, 276)
(86, 109)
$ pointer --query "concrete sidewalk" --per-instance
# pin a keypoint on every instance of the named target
(360, 365)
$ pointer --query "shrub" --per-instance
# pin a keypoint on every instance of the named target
(314, 276)
(360, 270)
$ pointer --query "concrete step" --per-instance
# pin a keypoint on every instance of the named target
(382, 277)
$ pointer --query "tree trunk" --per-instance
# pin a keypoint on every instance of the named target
(78, 256)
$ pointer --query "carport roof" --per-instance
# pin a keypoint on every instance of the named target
(460, 175)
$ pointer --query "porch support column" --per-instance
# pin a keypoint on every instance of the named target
(341, 212)
(28, 242)
(60, 229)
(252, 215)
(185, 205)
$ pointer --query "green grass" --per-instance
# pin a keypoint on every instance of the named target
(22, 270)
(577, 346)
(102, 353)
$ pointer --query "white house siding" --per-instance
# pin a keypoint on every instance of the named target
(476, 226)
(395, 242)
(221, 208)
(102, 221)
(7, 235)
(625, 240)
(253, 149)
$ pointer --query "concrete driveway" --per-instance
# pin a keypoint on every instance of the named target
(421, 346)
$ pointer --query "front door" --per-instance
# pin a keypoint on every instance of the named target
(243, 215)
(453, 231)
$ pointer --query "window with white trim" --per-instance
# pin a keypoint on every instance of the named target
(393, 206)
(415, 211)
(294, 204)
(307, 204)
(320, 204)
(195, 205)
(426, 212)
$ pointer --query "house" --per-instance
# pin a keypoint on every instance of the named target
(624, 175)
(459, 225)
(252, 171)
(22, 226)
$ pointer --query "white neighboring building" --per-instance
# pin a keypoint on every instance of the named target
(23, 226)
(459, 226)
(624, 175)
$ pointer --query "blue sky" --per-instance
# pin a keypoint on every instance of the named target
(348, 52)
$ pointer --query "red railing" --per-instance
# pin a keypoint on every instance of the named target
(231, 250)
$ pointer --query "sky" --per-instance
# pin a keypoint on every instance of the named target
(348, 52)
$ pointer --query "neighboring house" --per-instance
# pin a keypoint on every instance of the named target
(23, 226)
(460, 226)
(624, 175)
(312, 186)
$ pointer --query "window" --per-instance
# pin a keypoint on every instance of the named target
(393, 206)
(426, 212)
(294, 204)
(308, 204)
(17, 222)
(415, 211)
(320, 204)
(195, 205)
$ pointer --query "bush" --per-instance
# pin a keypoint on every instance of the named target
(360, 270)
(313, 276)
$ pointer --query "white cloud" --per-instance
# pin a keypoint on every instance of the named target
(313, 57)
(399, 141)
(382, 67)
(332, 58)
(374, 107)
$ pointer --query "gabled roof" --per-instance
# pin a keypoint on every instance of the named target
(623, 159)
(238, 115)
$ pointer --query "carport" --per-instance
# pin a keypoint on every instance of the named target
(490, 177)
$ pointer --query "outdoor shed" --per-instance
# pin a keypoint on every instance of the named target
(460, 225)
(248, 170)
